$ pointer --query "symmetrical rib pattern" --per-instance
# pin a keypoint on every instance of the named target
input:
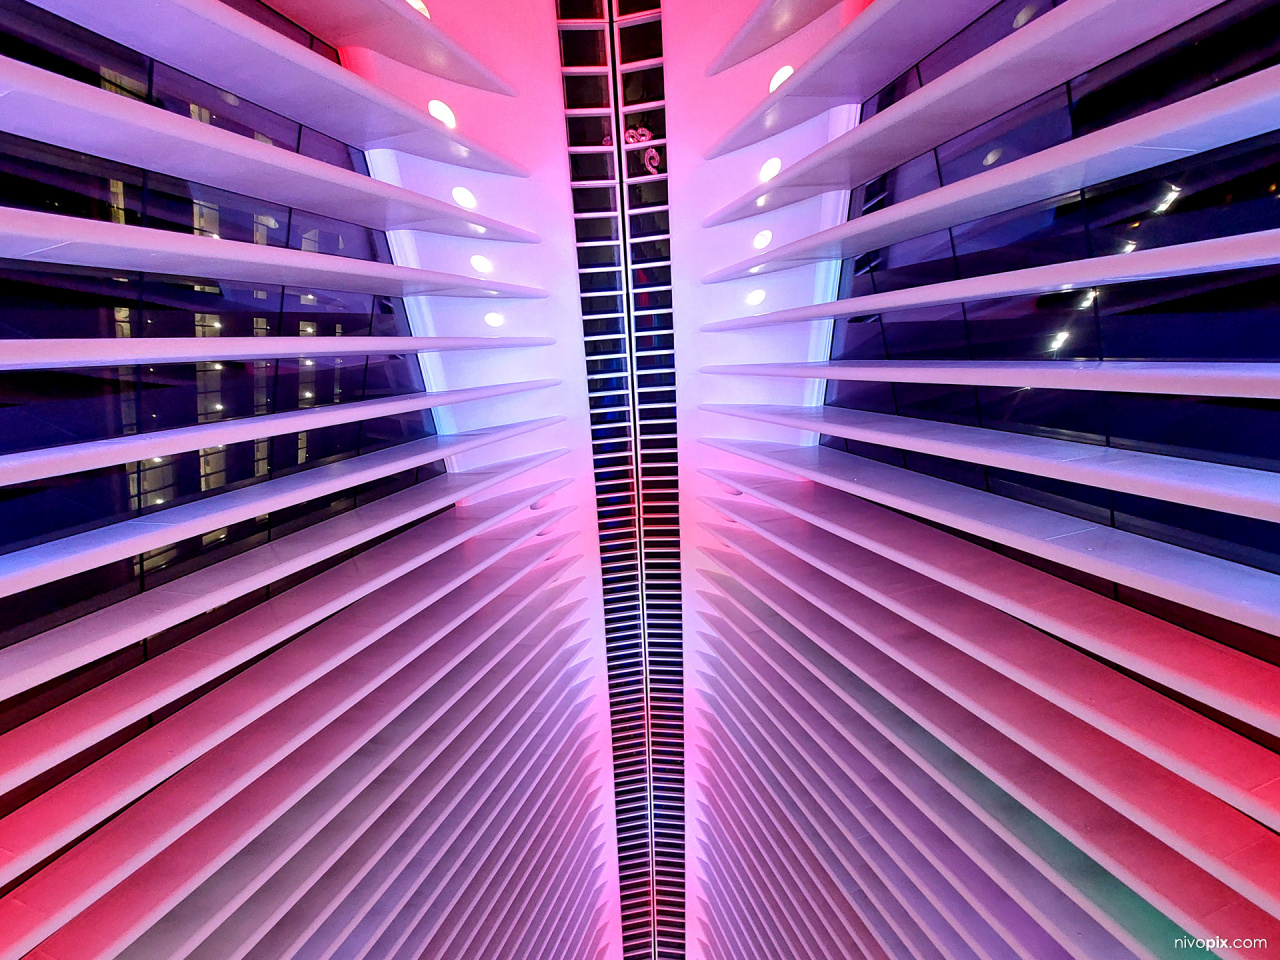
(274, 682)
(993, 669)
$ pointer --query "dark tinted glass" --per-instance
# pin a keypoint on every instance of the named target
(583, 92)
(35, 176)
(182, 94)
(990, 28)
(34, 36)
(1230, 41)
(583, 48)
(643, 41)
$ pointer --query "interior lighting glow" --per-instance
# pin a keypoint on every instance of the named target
(420, 7)
(762, 239)
(481, 264)
(464, 198)
(755, 298)
(784, 73)
(1169, 199)
(772, 167)
(440, 110)
(494, 319)
(1130, 246)
(992, 157)
(761, 201)
(1021, 20)
(1059, 340)
(1087, 302)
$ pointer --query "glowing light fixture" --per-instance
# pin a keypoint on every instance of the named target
(1021, 20)
(755, 298)
(482, 264)
(992, 157)
(772, 167)
(762, 239)
(440, 110)
(1168, 200)
(1130, 246)
(761, 201)
(782, 76)
(494, 319)
(1087, 302)
(464, 198)
(420, 7)
(1059, 340)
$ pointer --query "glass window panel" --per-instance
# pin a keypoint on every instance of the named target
(651, 277)
(642, 86)
(647, 161)
(642, 125)
(590, 131)
(180, 307)
(35, 36)
(1219, 316)
(1226, 192)
(179, 93)
(48, 408)
(608, 281)
(1230, 41)
(580, 9)
(894, 91)
(316, 234)
(605, 228)
(1051, 231)
(641, 41)
(937, 401)
(583, 48)
(36, 176)
(316, 145)
(1049, 326)
(586, 92)
(42, 510)
(325, 313)
(910, 263)
(1037, 125)
(595, 199)
(584, 167)
(1241, 432)
(924, 333)
(602, 256)
(61, 301)
(650, 224)
(990, 28)
(193, 208)
(650, 194)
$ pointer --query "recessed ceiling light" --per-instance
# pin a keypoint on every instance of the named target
(1024, 17)
(772, 167)
(482, 264)
(755, 298)
(440, 110)
(781, 77)
(761, 201)
(494, 319)
(992, 157)
(762, 239)
(464, 198)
